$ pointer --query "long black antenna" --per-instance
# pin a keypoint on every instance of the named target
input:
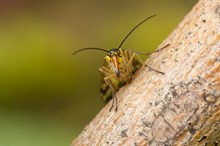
(89, 49)
(134, 29)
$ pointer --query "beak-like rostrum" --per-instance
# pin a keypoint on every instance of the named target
(116, 65)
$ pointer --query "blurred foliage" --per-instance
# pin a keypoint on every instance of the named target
(47, 95)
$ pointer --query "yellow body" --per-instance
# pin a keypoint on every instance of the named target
(117, 70)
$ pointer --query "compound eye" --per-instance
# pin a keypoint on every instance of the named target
(109, 53)
(107, 58)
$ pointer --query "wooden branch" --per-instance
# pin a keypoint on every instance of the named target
(181, 107)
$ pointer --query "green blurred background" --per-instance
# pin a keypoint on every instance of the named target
(47, 95)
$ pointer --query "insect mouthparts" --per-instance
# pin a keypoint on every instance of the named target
(117, 73)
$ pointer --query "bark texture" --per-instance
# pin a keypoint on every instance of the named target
(181, 107)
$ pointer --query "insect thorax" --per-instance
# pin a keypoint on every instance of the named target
(118, 62)
(118, 70)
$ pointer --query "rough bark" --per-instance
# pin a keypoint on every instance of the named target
(181, 107)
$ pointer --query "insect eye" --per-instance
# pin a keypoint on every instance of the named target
(107, 58)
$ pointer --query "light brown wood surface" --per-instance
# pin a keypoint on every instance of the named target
(180, 107)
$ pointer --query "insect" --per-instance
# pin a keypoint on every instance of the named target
(119, 67)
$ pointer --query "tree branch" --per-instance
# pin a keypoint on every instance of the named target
(180, 107)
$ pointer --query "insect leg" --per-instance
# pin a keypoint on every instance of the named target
(105, 71)
(108, 75)
(154, 69)
(132, 57)
(114, 98)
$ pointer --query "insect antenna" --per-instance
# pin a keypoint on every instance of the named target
(134, 29)
(100, 49)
